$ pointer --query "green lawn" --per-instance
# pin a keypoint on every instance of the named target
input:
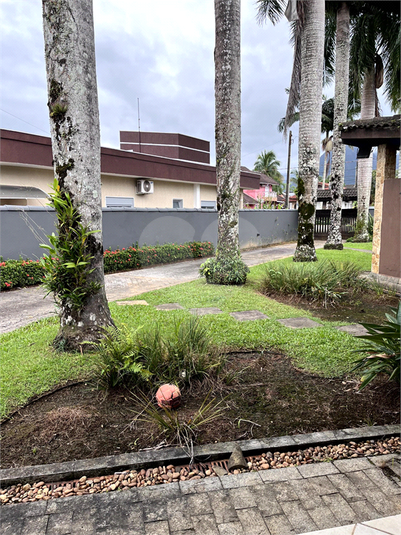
(31, 366)
(366, 246)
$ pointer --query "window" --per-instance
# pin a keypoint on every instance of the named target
(119, 202)
(178, 203)
(208, 205)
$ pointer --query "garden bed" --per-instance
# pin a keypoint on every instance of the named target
(264, 395)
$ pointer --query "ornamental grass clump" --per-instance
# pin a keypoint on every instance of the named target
(324, 281)
(127, 359)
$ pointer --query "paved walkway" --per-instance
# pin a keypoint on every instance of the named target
(285, 501)
(21, 307)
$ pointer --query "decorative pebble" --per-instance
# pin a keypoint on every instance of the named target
(160, 475)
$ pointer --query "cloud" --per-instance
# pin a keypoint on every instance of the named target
(162, 53)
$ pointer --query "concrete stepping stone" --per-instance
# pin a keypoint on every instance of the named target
(249, 315)
(205, 311)
(356, 329)
(169, 306)
(130, 303)
(300, 323)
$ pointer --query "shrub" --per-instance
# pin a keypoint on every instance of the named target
(21, 273)
(136, 257)
(230, 271)
(383, 344)
(323, 281)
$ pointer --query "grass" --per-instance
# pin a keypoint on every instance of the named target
(367, 246)
(31, 366)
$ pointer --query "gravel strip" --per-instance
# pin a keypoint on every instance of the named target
(160, 475)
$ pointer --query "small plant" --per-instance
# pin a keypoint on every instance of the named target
(383, 344)
(119, 362)
(176, 428)
(231, 271)
(67, 264)
(185, 355)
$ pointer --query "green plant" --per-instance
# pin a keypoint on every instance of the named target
(67, 264)
(227, 271)
(176, 428)
(370, 226)
(182, 356)
(323, 281)
(118, 360)
(383, 344)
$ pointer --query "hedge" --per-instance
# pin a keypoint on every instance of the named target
(22, 273)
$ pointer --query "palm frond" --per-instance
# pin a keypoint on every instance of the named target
(295, 87)
(270, 9)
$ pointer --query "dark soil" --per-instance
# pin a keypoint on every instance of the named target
(354, 307)
(265, 396)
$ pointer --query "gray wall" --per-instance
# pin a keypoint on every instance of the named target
(22, 229)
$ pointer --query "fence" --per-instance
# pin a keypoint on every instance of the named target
(348, 221)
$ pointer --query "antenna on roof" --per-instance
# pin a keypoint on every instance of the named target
(139, 127)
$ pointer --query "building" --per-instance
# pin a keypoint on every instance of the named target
(264, 195)
(174, 174)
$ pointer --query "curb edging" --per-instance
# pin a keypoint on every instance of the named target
(210, 452)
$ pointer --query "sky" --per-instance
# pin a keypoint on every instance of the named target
(159, 52)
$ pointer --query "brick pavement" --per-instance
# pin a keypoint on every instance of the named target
(273, 502)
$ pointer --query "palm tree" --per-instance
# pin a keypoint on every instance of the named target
(227, 267)
(312, 47)
(305, 89)
(75, 135)
(267, 164)
(334, 238)
(375, 54)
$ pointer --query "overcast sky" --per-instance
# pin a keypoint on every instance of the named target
(162, 53)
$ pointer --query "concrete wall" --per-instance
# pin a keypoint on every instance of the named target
(21, 230)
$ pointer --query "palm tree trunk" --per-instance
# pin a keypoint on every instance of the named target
(228, 125)
(334, 238)
(364, 180)
(75, 134)
(309, 127)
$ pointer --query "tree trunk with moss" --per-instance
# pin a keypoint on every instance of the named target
(75, 133)
(228, 133)
(309, 126)
(364, 176)
(334, 238)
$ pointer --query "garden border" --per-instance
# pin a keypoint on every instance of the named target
(210, 452)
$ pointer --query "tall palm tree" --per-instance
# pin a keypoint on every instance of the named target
(75, 134)
(374, 59)
(228, 263)
(312, 47)
(308, 70)
(268, 164)
(334, 238)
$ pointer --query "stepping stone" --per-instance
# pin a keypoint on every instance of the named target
(205, 311)
(356, 329)
(130, 303)
(248, 315)
(300, 323)
(169, 306)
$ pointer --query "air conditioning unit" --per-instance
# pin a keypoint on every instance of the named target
(144, 186)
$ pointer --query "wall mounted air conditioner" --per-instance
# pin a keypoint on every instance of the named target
(144, 186)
